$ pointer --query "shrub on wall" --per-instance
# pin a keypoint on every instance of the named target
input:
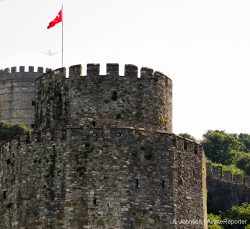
(9, 131)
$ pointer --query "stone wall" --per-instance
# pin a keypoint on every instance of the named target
(17, 94)
(105, 100)
(102, 155)
(96, 178)
(225, 189)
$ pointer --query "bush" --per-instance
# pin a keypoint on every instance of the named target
(213, 221)
(9, 131)
(233, 168)
(241, 212)
(243, 163)
(188, 136)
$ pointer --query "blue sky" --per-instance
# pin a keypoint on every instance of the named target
(203, 46)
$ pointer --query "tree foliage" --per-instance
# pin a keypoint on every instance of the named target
(241, 212)
(221, 147)
(213, 221)
(9, 131)
(243, 163)
(236, 213)
(188, 136)
(245, 139)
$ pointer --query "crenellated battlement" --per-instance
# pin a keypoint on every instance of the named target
(22, 69)
(141, 100)
(111, 70)
(227, 176)
(75, 133)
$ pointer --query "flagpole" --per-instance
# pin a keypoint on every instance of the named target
(62, 35)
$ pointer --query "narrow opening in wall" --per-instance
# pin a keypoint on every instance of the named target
(163, 184)
(121, 70)
(8, 161)
(185, 145)
(137, 183)
(32, 125)
(114, 96)
(4, 195)
(87, 144)
(140, 86)
(93, 123)
(94, 201)
(174, 141)
(118, 116)
(33, 103)
(196, 149)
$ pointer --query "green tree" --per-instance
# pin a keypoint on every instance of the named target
(9, 131)
(241, 212)
(245, 139)
(188, 136)
(243, 162)
(221, 147)
(213, 221)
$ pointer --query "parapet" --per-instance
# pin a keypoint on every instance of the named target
(137, 99)
(227, 176)
(21, 69)
(111, 134)
(20, 73)
(112, 69)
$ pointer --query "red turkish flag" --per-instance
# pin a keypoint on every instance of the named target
(57, 20)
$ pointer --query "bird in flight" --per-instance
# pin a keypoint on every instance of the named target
(49, 52)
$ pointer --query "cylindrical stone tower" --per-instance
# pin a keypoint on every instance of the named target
(111, 100)
(17, 95)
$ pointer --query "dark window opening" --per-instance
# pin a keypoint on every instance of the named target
(137, 183)
(163, 184)
(114, 96)
(174, 141)
(8, 161)
(93, 123)
(118, 116)
(33, 103)
(94, 201)
(185, 145)
(4, 195)
(87, 144)
(32, 125)
(196, 149)
(9, 205)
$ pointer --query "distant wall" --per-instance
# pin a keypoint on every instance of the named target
(17, 94)
(226, 190)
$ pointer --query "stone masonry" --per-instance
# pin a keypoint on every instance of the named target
(17, 94)
(102, 156)
(225, 189)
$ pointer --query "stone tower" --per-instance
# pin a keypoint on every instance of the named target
(17, 94)
(103, 155)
